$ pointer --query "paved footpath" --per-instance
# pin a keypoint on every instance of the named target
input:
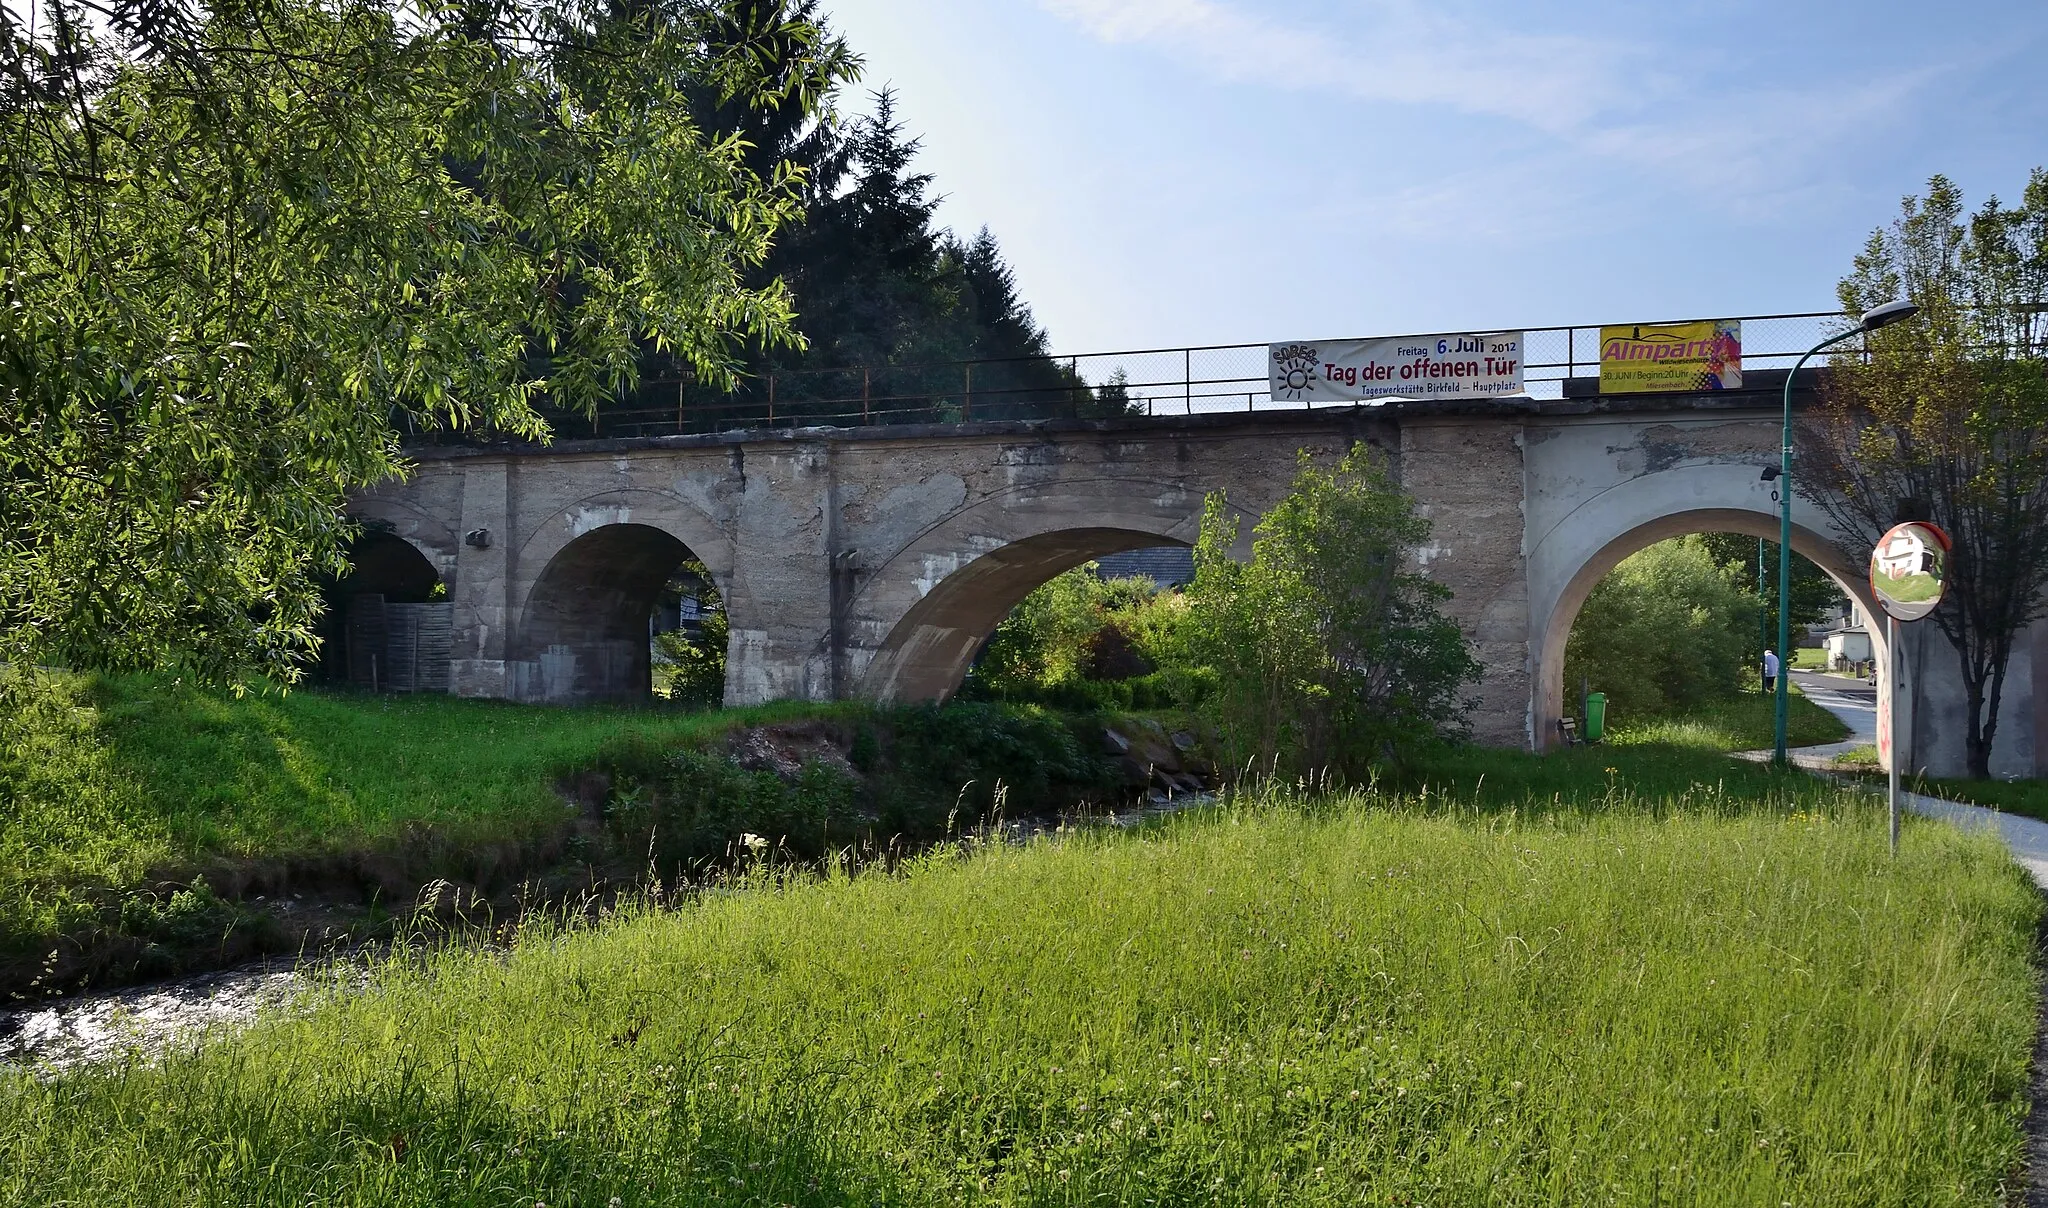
(1855, 702)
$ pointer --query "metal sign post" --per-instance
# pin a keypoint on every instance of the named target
(1907, 574)
(1891, 672)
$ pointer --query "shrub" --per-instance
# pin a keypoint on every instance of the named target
(695, 673)
(959, 754)
(690, 668)
(913, 773)
(700, 803)
(1074, 635)
(1327, 656)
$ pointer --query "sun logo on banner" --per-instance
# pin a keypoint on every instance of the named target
(1294, 370)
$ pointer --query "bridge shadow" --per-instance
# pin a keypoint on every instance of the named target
(587, 631)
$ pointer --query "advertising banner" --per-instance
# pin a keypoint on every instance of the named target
(1468, 365)
(1706, 355)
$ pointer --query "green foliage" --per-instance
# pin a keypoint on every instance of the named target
(127, 788)
(700, 805)
(1669, 761)
(1746, 721)
(1042, 645)
(1813, 593)
(70, 813)
(121, 792)
(696, 671)
(1665, 631)
(1358, 1001)
(1080, 641)
(888, 302)
(691, 668)
(243, 250)
(869, 780)
(1945, 418)
(1328, 656)
(966, 754)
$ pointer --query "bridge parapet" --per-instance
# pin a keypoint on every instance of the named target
(1146, 381)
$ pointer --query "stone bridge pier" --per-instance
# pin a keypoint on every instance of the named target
(874, 562)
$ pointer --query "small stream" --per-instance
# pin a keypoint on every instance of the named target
(142, 1022)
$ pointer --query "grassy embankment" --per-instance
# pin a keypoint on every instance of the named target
(136, 806)
(146, 818)
(1692, 998)
(143, 817)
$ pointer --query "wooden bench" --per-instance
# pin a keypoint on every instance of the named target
(1570, 728)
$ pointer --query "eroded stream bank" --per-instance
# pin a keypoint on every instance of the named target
(248, 863)
(145, 1021)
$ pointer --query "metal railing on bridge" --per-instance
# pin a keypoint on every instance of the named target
(1151, 381)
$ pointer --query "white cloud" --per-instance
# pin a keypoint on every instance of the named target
(1599, 97)
(1397, 52)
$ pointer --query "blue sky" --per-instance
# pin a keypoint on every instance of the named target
(1169, 172)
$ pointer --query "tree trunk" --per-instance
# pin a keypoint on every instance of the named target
(1984, 690)
(1976, 744)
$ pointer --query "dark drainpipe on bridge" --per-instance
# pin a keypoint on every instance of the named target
(844, 567)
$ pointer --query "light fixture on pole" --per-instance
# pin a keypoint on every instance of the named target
(1874, 318)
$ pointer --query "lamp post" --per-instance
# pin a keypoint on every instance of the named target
(1874, 318)
(1763, 619)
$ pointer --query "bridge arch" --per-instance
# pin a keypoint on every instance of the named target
(927, 611)
(431, 538)
(384, 569)
(591, 575)
(1571, 559)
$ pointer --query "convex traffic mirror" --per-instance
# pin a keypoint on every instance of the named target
(1908, 568)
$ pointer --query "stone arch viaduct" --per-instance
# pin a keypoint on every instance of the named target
(873, 562)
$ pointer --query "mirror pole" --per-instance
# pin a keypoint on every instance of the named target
(1892, 660)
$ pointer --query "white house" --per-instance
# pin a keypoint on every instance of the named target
(1849, 644)
(1905, 554)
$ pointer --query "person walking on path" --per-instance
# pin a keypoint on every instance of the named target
(1770, 672)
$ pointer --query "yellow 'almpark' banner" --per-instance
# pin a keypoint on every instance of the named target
(1706, 355)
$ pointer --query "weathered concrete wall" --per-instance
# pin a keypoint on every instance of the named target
(1466, 474)
(874, 562)
(1938, 723)
(850, 563)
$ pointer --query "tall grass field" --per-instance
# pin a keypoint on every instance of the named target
(1693, 1000)
(1746, 722)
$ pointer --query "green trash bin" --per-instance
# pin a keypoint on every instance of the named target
(1596, 715)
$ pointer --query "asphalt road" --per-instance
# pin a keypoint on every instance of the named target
(1852, 700)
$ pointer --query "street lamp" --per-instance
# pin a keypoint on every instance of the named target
(1874, 318)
